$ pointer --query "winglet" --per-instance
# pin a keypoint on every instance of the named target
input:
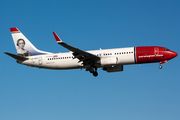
(58, 40)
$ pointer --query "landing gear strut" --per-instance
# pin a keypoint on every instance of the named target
(93, 70)
(160, 66)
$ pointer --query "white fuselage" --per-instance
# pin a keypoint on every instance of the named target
(109, 57)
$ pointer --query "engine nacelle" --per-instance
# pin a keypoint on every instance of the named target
(113, 69)
(108, 61)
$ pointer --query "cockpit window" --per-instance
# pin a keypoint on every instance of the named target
(166, 49)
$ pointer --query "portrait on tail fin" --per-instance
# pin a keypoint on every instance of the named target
(23, 46)
(21, 51)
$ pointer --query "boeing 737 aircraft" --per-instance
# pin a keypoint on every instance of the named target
(111, 60)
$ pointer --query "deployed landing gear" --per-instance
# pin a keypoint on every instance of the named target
(95, 74)
(93, 70)
(160, 66)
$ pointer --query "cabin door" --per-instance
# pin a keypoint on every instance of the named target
(40, 60)
(156, 51)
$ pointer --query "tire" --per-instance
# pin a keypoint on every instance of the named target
(95, 74)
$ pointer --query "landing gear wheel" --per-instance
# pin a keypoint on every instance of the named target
(95, 74)
(160, 66)
(91, 70)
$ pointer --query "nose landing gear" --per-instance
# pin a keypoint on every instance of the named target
(161, 62)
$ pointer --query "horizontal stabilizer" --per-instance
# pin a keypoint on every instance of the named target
(17, 57)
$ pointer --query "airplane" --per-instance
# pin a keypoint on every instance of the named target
(110, 60)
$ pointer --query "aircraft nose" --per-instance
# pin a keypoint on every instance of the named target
(174, 54)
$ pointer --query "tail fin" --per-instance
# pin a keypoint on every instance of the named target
(23, 46)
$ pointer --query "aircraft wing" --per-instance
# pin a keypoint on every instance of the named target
(80, 54)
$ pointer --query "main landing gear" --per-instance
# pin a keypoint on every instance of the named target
(93, 70)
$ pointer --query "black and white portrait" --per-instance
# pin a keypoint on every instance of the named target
(21, 51)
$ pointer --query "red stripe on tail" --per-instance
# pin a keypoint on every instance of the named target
(14, 30)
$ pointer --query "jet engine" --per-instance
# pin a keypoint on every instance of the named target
(117, 68)
(109, 61)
